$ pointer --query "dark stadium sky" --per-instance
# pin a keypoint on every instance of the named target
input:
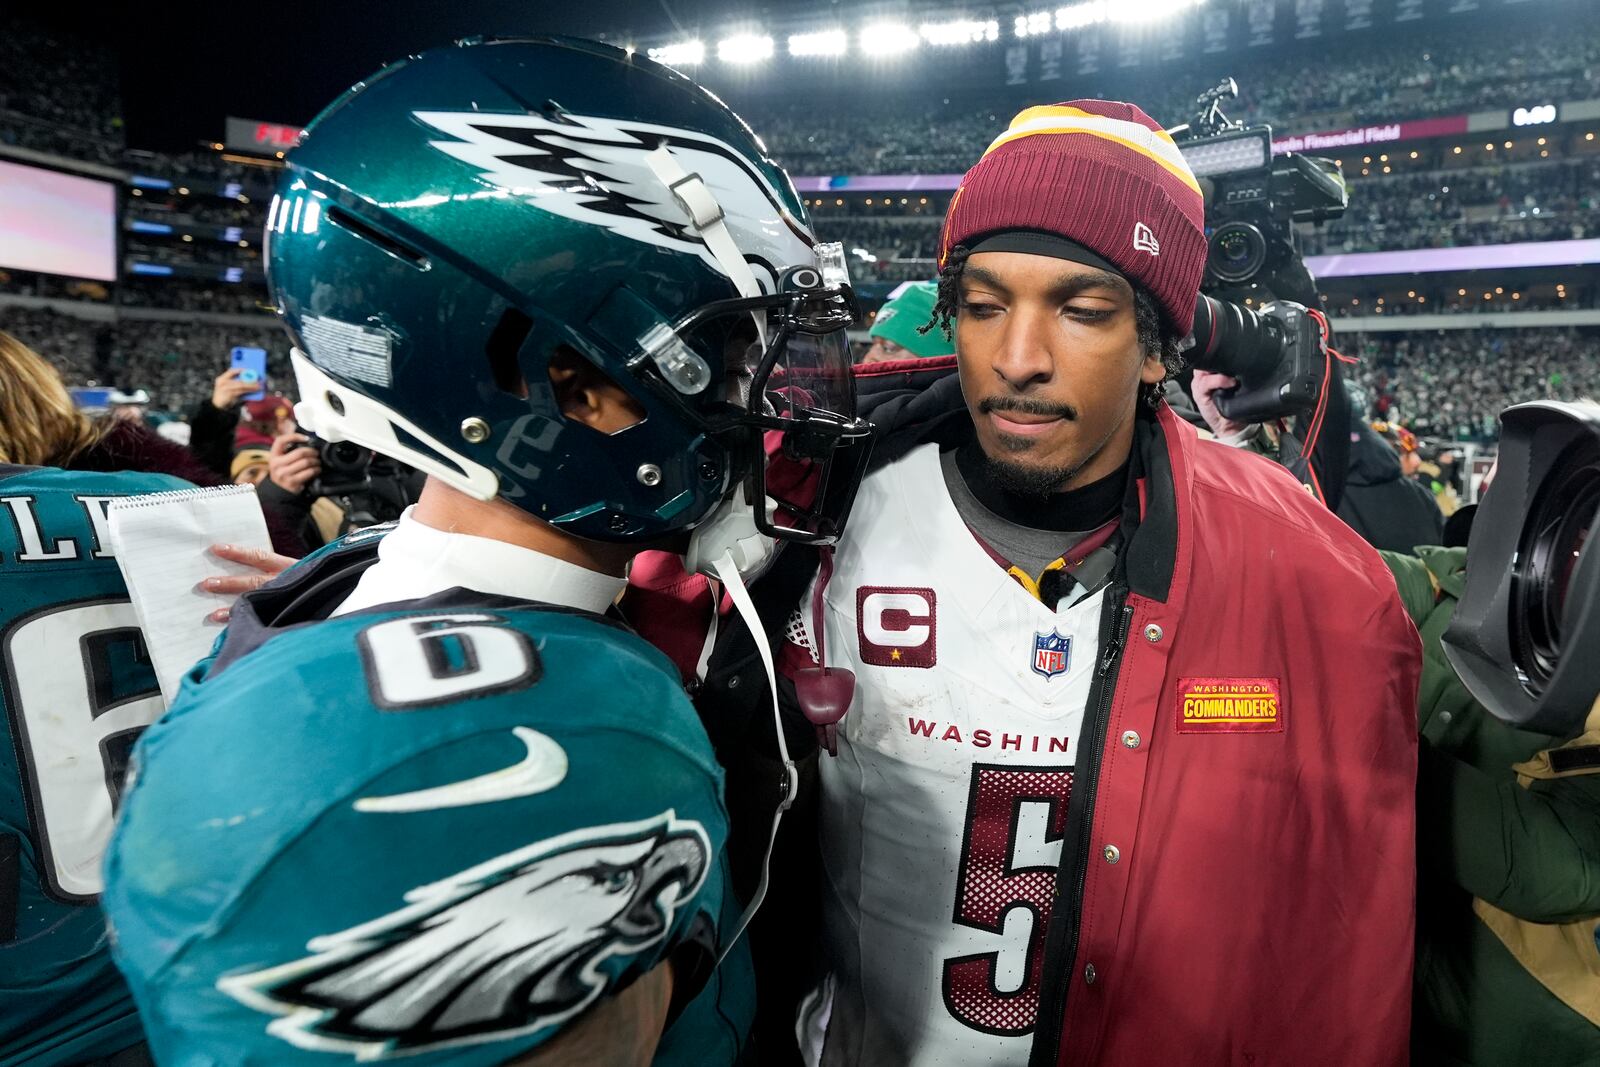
(187, 65)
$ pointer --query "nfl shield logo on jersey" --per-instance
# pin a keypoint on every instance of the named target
(1051, 654)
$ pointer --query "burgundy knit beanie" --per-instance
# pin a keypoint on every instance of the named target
(1102, 174)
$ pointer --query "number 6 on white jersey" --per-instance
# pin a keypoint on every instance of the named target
(75, 722)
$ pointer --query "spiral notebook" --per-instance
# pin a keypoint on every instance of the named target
(161, 541)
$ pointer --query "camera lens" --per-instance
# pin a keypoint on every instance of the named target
(346, 454)
(345, 458)
(1238, 252)
(1557, 529)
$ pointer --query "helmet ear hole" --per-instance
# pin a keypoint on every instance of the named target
(502, 349)
(588, 395)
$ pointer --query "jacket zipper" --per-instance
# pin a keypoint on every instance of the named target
(1061, 940)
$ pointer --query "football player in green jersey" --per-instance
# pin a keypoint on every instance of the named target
(429, 799)
(77, 687)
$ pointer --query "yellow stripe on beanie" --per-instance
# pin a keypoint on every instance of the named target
(1155, 145)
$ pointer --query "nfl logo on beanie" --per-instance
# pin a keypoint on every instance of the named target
(1099, 173)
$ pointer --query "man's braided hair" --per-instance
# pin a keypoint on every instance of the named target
(1155, 337)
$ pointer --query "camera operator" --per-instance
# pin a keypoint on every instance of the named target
(1259, 321)
(1433, 473)
(1508, 821)
(325, 489)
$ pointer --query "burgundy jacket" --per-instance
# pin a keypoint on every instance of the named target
(1261, 908)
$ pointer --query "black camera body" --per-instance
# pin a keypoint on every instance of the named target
(1250, 216)
(1252, 202)
(1276, 352)
(346, 467)
(369, 487)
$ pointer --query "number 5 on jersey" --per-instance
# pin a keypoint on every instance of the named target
(1015, 820)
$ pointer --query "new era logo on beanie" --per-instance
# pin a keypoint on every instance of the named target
(1099, 173)
(1144, 240)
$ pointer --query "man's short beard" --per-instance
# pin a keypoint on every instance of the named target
(1028, 479)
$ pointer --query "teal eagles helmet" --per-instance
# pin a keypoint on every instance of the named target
(451, 222)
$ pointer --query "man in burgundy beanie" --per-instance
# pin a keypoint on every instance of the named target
(1127, 773)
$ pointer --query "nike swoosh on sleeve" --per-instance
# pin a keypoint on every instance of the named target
(542, 769)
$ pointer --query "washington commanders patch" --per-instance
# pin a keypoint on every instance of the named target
(1230, 706)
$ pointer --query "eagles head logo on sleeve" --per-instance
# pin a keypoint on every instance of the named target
(506, 948)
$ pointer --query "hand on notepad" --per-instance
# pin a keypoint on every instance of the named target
(270, 564)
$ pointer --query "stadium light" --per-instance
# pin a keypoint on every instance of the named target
(821, 43)
(1039, 22)
(682, 54)
(960, 31)
(1077, 16)
(1094, 12)
(887, 39)
(745, 48)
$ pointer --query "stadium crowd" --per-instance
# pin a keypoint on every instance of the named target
(1453, 384)
(51, 88)
(198, 211)
(1541, 201)
(173, 361)
(1387, 82)
(185, 295)
(58, 94)
(1487, 205)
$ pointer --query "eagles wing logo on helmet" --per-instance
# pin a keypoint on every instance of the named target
(594, 170)
(508, 947)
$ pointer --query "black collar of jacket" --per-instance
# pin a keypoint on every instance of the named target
(1150, 555)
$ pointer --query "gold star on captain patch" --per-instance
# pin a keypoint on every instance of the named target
(895, 654)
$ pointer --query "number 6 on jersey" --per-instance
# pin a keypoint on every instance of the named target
(75, 723)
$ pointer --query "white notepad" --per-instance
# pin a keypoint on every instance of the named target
(161, 541)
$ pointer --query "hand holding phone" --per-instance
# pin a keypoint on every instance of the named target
(252, 364)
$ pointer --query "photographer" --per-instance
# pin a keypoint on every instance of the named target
(1389, 510)
(324, 489)
(289, 489)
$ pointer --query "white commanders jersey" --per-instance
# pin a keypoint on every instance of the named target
(943, 813)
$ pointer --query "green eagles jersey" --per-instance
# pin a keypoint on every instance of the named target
(78, 688)
(433, 831)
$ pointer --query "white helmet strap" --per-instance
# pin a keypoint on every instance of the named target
(709, 222)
